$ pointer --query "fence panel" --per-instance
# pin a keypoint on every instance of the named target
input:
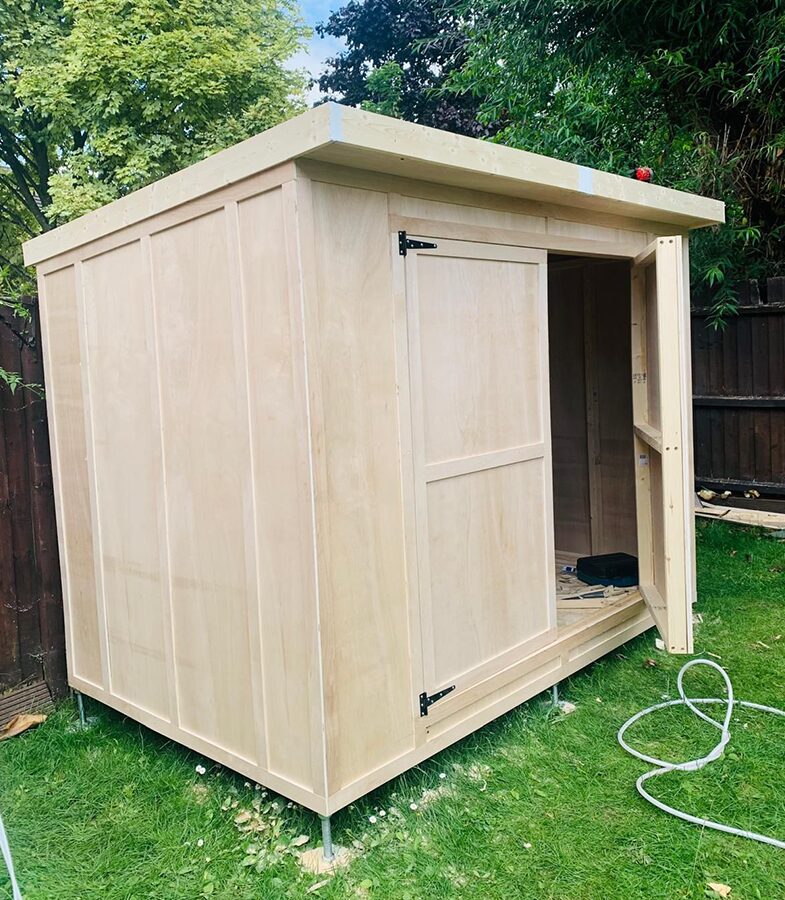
(32, 645)
(739, 393)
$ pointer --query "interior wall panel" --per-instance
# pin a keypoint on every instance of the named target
(571, 513)
(613, 385)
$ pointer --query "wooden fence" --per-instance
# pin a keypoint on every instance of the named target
(739, 394)
(32, 645)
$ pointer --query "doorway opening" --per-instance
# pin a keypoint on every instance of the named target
(591, 426)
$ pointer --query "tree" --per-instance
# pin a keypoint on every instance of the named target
(696, 90)
(99, 97)
(399, 54)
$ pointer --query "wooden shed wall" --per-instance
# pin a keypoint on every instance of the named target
(179, 415)
(358, 375)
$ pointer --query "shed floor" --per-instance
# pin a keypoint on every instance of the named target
(576, 601)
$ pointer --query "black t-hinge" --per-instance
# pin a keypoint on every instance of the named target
(427, 701)
(406, 243)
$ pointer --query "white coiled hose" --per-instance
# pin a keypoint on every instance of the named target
(693, 765)
(9, 863)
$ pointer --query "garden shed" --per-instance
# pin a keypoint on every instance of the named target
(330, 412)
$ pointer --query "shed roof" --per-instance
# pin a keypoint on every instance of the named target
(351, 137)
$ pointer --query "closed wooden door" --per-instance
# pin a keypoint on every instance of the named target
(476, 320)
(661, 399)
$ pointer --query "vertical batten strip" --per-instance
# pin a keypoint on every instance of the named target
(238, 296)
(163, 507)
(591, 378)
(547, 441)
(688, 445)
(420, 498)
(299, 228)
(100, 598)
(406, 451)
(640, 412)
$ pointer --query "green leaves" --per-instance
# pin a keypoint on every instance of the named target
(152, 84)
(693, 89)
(99, 97)
(385, 89)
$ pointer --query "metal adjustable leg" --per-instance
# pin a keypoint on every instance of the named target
(80, 707)
(327, 839)
(555, 695)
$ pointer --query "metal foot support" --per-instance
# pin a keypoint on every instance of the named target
(555, 695)
(327, 839)
(80, 707)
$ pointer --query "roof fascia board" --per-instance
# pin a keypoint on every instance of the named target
(292, 139)
(355, 138)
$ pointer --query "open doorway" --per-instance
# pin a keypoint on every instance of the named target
(591, 423)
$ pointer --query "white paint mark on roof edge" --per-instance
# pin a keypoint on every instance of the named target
(335, 128)
(585, 180)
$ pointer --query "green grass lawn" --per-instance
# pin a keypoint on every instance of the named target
(532, 806)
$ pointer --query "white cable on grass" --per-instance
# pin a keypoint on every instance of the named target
(693, 765)
(9, 863)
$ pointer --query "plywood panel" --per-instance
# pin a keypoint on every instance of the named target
(591, 231)
(591, 404)
(657, 533)
(472, 403)
(208, 485)
(282, 490)
(478, 363)
(572, 523)
(351, 353)
(420, 208)
(65, 400)
(128, 473)
(472, 207)
(612, 381)
(488, 589)
(652, 349)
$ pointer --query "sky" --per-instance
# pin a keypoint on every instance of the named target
(319, 49)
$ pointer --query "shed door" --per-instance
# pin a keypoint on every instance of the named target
(661, 400)
(481, 462)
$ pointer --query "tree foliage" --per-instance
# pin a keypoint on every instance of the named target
(399, 54)
(99, 97)
(696, 89)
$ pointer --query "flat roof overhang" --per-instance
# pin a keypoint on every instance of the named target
(350, 137)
